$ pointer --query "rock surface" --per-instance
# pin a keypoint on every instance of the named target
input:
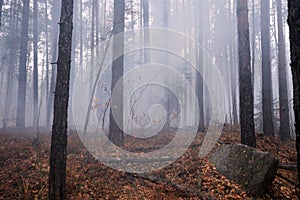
(253, 170)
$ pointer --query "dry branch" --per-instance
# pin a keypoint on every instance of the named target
(288, 167)
(186, 192)
(288, 180)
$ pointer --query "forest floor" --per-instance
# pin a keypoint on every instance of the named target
(24, 172)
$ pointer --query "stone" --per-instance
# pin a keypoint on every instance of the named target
(253, 170)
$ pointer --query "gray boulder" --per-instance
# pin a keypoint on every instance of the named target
(253, 170)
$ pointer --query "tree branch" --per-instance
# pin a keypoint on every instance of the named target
(186, 192)
(287, 167)
(288, 180)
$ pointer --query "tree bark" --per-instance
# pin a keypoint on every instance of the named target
(35, 64)
(81, 36)
(147, 57)
(246, 91)
(58, 157)
(1, 4)
(54, 35)
(165, 60)
(233, 69)
(92, 66)
(47, 56)
(22, 67)
(199, 27)
(294, 26)
(12, 65)
(267, 99)
(253, 43)
(116, 134)
(283, 93)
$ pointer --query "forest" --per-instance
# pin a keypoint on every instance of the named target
(149, 99)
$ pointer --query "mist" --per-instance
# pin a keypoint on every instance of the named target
(211, 24)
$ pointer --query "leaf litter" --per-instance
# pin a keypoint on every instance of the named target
(24, 171)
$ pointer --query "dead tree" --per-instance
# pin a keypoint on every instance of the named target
(58, 157)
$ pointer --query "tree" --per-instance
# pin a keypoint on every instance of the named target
(233, 62)
(253, 41)
(1, 4)
(146, 31)
(115, 132)
(58, 156)
(55, 13)
(22, 82)
(165, 60)
(35, 64)
(199, 27)
(92, 66)
(47, 56)
(246, 91)
(267, 101)
(283, 93)
(12, 63)
(294, 26)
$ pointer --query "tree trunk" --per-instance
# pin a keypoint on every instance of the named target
(92, 66)
(73, 76)
(253, 43)
(147, 57)
(58, 157)
(22, 67)
(246, 91)
(35, 64)
(206, 43)
(81, 36)
(141, 52)
(55, 13)
(283, 93)
(97, 36)
(267, 100)
(165, 61)
(233, 68)
(12, 65)
(115, 132)
(47, 55)
(1, 4)
(294, 26)
(199, 27)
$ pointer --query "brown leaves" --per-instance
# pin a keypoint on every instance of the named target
(24, 172)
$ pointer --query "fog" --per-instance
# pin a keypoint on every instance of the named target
(164, 53)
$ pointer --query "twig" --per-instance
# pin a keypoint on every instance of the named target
(287, 167)
(187, 192)
(288, 180)
(95, 86)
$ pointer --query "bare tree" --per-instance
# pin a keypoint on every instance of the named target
(233, 68)
(294, 26)
(35, 63)
(54, 34)
(47, 54)
(92, 66)
(253, 42)
(116, 134)
(1, 4)
(146, 31)
(12, 63)
(199, 27)
(22, 67)
(267, 99)
(81, 34)
(283, 93)
(246, 91)
(58, 157)
(166, 9)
